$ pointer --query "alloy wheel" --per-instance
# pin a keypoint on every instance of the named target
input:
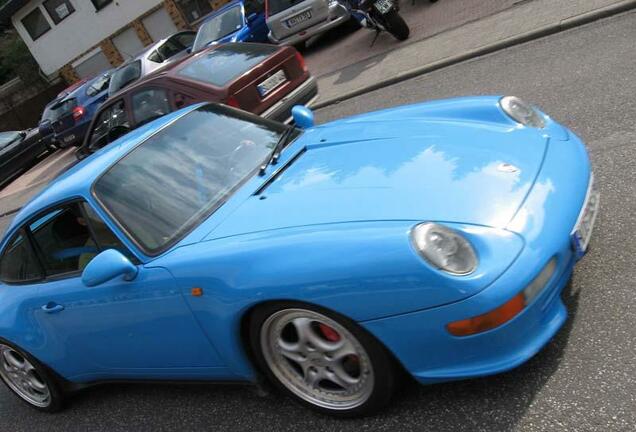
(23, 378)
(317, 359)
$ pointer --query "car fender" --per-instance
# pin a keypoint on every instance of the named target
(363, 270)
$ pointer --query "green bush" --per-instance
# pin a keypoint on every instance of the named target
(16, 60)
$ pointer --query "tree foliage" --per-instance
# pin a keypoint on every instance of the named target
(16, 60)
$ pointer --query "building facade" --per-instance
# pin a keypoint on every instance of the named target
(80, 38)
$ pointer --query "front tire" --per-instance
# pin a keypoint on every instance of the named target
(396, 25)
(322, 359)
(29, 380)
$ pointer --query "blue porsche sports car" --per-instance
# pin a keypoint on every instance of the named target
(216, 245)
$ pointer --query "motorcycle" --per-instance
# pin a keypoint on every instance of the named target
(381, 15)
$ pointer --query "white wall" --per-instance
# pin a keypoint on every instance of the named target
(78, 32)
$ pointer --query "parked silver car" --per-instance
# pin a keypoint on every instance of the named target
(151, 59)
(291, 22)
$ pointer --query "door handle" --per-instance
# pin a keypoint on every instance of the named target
(52, 308)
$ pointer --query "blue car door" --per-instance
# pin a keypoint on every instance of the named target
(138, 329)
(255, 15)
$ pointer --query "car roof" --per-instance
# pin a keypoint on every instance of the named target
(166, 70)
(77, 181)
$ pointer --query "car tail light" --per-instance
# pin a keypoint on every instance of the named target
(78, 112)
(233, 102)
(301, 61)
(508, 310)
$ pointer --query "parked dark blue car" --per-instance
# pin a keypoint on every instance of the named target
(238, 21)
(68, 117)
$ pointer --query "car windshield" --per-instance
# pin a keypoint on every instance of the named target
(276, 6)
(218, 27)
(124, 76)
(222, 65)
(169, 183)
(7, 138)
(98, 85)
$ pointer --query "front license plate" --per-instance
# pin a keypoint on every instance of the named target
(271, 83)
(383, 6)
(300, 18)
(584, 226)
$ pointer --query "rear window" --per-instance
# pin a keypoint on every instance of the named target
(226, 63)
(124, 76)
(276, 6)
(58, 110)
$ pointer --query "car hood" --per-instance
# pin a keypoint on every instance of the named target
(370, 169)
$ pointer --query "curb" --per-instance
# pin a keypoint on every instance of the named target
(566, 24)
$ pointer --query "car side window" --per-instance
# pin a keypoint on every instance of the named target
(19, 264)
(170, 48)
(155, 57)
(103, 237)
(186, 39)
(111, 117)
(69, 237)
(150, 104)
(61, 237)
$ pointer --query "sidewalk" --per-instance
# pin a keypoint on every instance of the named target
(29, 184)
(526, 21)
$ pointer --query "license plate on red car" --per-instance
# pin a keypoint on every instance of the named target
(585, 224)
(300, 18)
(272, 83)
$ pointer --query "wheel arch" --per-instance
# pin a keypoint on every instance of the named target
(247, 316)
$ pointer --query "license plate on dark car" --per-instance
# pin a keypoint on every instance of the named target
(271, 83)
(300, 18)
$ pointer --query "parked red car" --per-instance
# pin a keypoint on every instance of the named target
(264, 79)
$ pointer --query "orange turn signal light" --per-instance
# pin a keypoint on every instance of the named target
(489, 320)
(197, 292)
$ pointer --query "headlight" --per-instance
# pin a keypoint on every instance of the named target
(444, 248)
(522, 112)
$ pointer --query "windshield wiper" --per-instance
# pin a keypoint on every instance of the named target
(275, 155)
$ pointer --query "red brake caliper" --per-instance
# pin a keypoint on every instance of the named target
(329, 334)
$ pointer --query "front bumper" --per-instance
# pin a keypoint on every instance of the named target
(338, 14)
(304, 94)
(420, 339)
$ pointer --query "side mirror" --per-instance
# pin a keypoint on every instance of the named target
(107, 266)
(303, 116)
(252, 17)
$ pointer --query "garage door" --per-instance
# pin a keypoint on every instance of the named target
(92, 65)
(159, 25)
(128, 44)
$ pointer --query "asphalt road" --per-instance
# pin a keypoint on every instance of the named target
(584, 380)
